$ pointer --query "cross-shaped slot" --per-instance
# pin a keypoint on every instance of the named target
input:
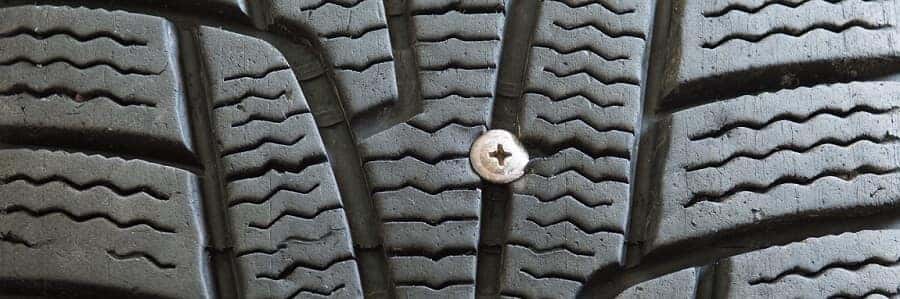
(500, 154)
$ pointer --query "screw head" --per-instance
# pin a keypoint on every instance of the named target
(498, 157)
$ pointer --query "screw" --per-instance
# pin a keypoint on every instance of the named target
(498, 157)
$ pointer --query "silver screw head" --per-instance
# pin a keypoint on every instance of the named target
(498, 157)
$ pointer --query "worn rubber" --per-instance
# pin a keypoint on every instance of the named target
(319, 148)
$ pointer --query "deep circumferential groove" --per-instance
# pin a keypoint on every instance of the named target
(221, 264)
(515, 51)
(340, 147)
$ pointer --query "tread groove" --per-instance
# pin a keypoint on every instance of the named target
(841, 174)
(515, 53)
(137, 255)
(45, 34)
(216, 223)
(795, 32)
(46, 212)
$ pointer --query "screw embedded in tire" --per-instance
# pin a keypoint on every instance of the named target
(498, 157)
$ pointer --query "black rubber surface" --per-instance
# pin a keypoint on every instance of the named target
(319, 148)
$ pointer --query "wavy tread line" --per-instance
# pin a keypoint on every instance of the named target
(264, 74)
(80, 66)
(365, 67)
(793, 148)
(593, 179)
(574, 197)
(458, 93)
(541, 148)
(579, 93)
(603, 30)
(15, 239)
(581, 153)
(325, 292)
(453, 64)
(430, 222)
(278, 189)
(791, 117)
(795, 32)
(295, 214)
(429, 191)
(247, 95)
(842, 174)
(459, 7)
(344, 4)
(357, 34)
(578, 119)
(813, 274)
(269, 119)
(547, 224)
(576, 97)
(412, 153)
(453, 122)
(435, 287)
(40, 213)
(552, 249)
(585, 47)
(879, 291)
(283, 244)
(45, 34)
(137, 255)
(457, 36)
(279, 166)
(83, 187)
(277, 140)
(597, 77)
(297, 264)
(74, 95)
(607, 6)
(434, 255)
(734, 7)
(553, 275)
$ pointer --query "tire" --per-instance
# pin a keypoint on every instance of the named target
(320, 148)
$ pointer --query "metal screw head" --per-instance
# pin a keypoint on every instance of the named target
(498, 157)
